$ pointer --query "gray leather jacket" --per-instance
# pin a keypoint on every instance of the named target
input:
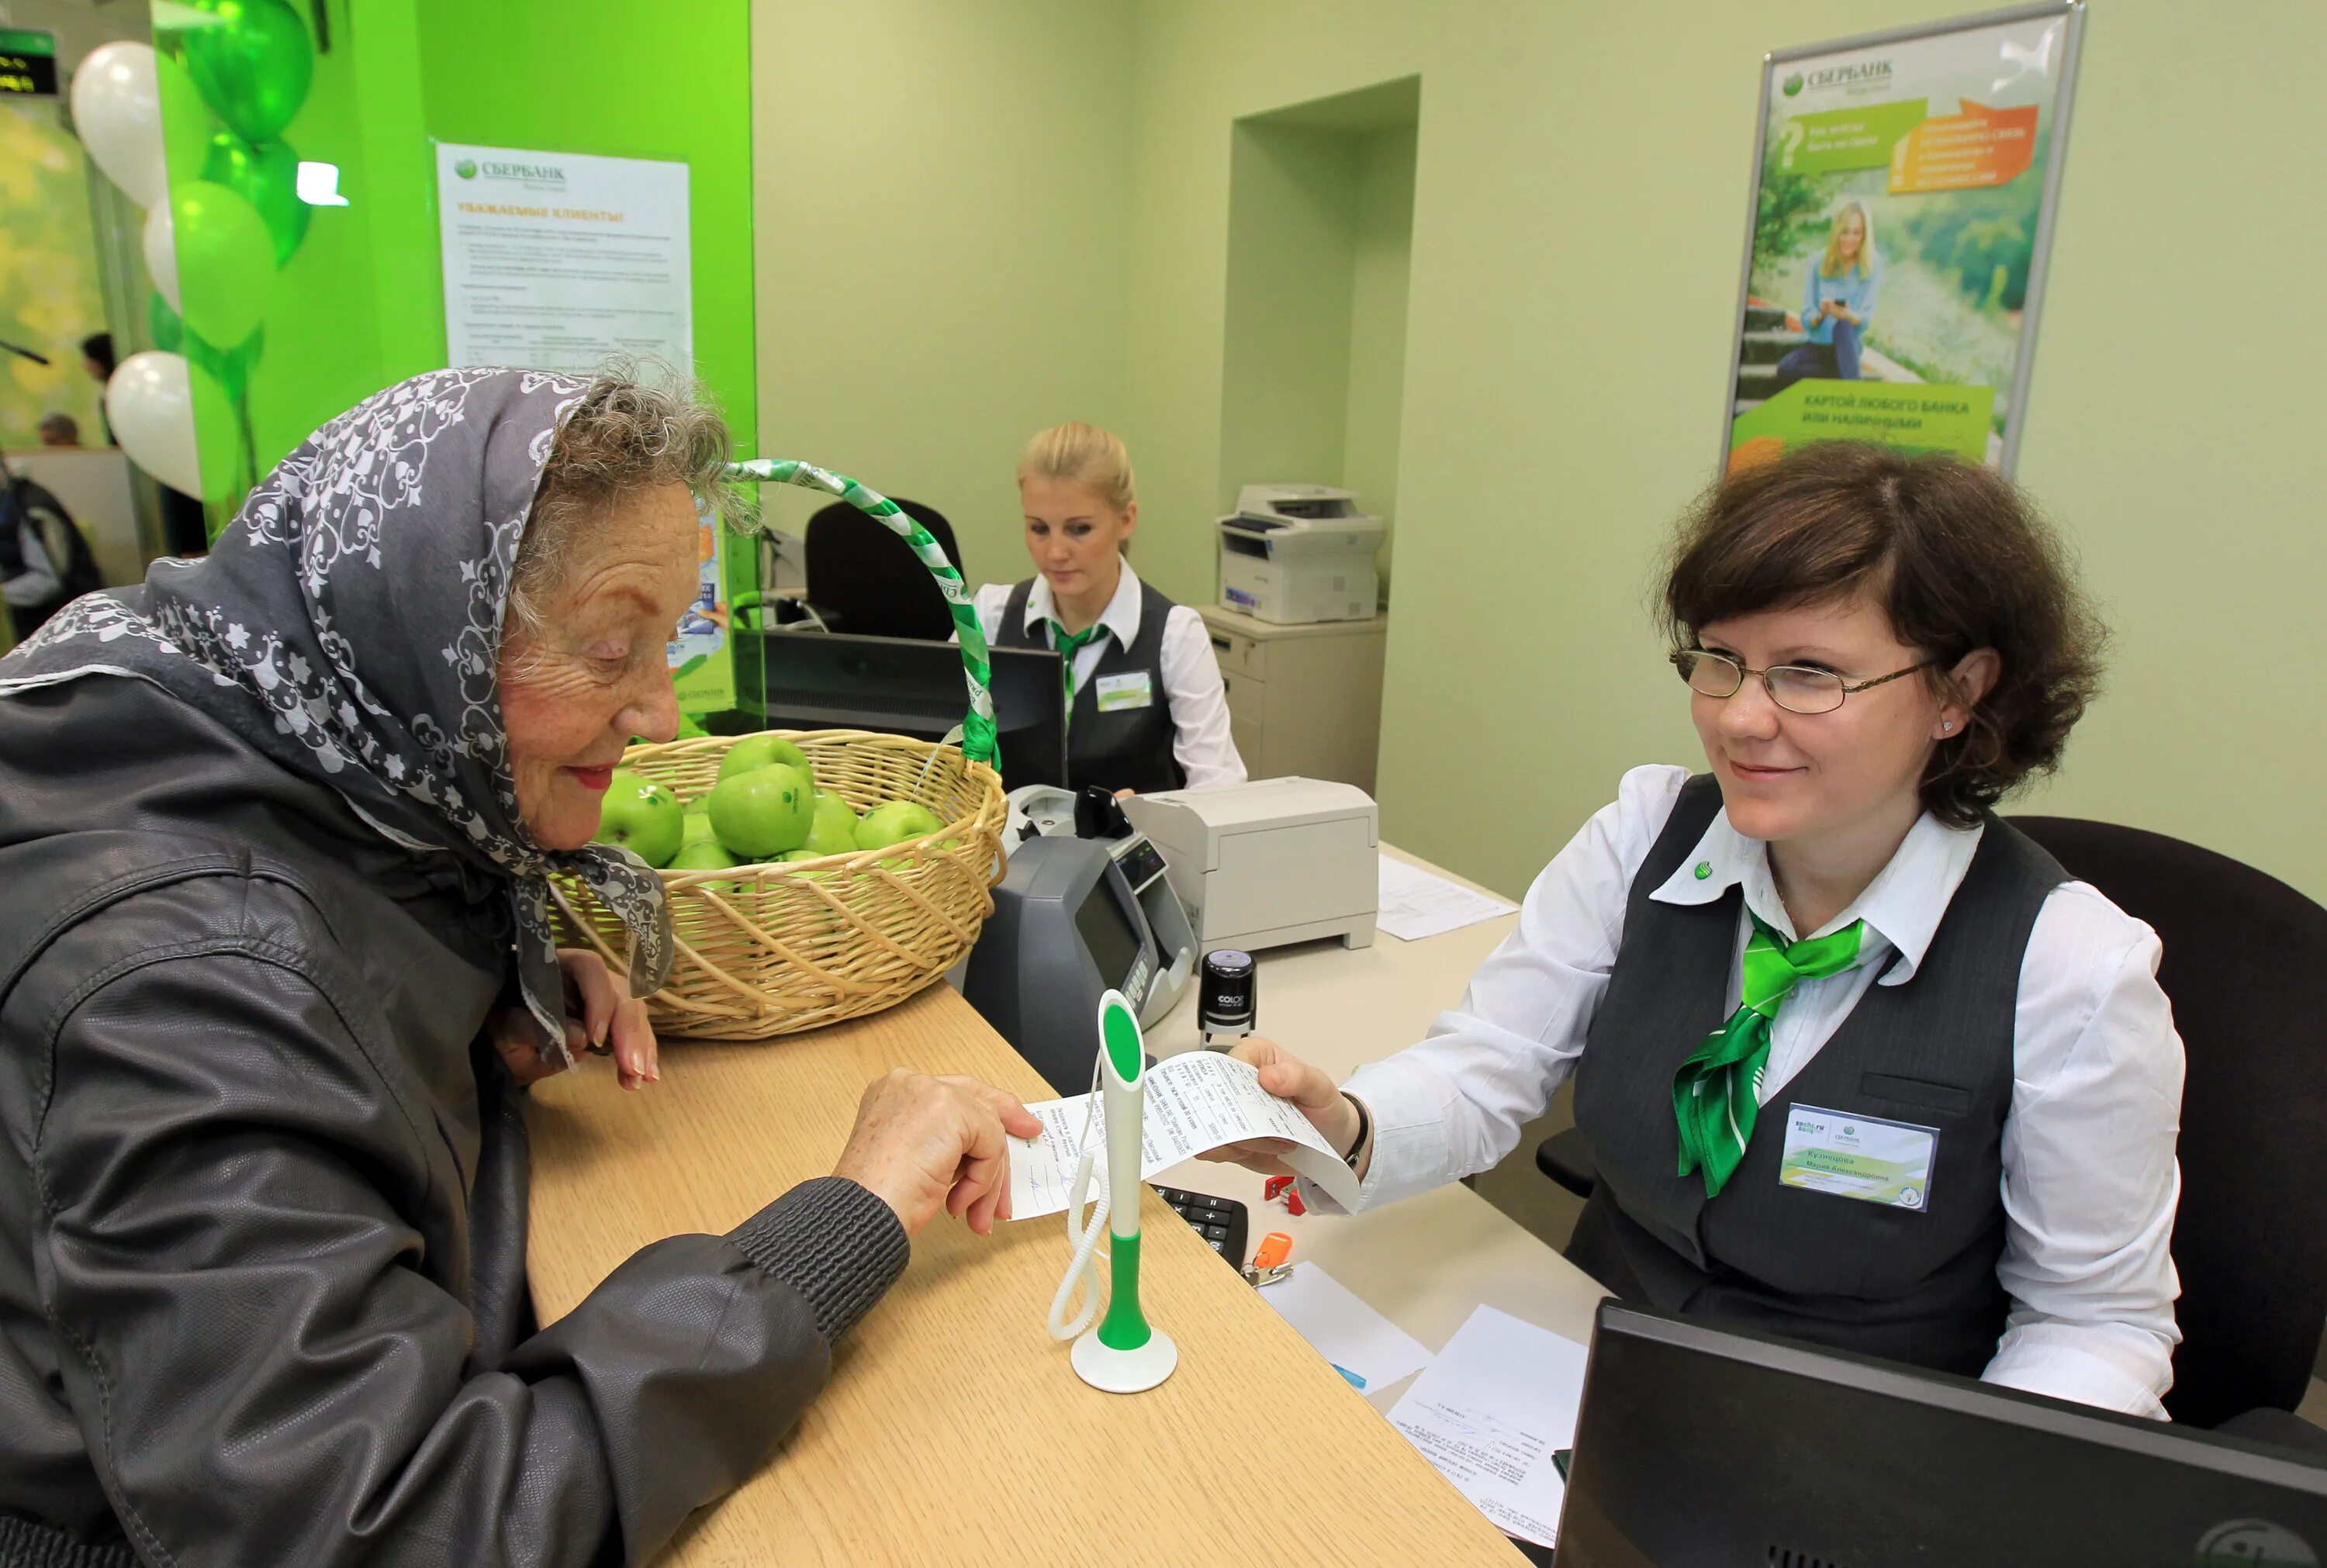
(263, 1199)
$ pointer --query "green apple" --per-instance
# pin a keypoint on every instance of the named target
(704, 855)
(796, 854)
(642, 816)
(833, 830)
(699, 825)
(757, 752)
(893, 821)
(764, 811)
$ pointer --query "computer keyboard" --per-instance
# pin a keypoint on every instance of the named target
(1223, 1222)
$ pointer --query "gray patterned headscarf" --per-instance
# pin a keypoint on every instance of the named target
(348, 626)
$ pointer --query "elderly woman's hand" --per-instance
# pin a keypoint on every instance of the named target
(920, 1141)
(601, 1018)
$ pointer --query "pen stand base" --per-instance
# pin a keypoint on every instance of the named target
(1125, 1371)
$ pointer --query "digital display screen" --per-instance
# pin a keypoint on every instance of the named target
(1142, 864)
(1113, 941)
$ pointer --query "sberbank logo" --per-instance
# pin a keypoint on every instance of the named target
(2254, 1544)
(1873, 70)
(524, 171)
(466, 168)
(1793, 84)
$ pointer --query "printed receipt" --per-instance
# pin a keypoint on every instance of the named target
(1196, 1101)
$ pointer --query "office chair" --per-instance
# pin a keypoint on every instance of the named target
(2245, 964)
(864, 580)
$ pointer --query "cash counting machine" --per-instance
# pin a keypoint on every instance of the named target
(1254, 865)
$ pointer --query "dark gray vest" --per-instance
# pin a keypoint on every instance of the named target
(1917, 1286)
(1130, 747)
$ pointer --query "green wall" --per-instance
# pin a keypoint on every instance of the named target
(1576, 221)
(943, 211)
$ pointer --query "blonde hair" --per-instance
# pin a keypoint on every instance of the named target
(1081, 455)
(1833, 265)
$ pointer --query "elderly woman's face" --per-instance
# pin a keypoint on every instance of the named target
(597, 674)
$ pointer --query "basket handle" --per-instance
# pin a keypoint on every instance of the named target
(976, 730)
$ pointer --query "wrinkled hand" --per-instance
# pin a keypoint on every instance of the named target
(601, 1018)
(1306, 1089)
(921, 1143)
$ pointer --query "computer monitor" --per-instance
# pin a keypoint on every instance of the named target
(791, 679)
(1696, 1445)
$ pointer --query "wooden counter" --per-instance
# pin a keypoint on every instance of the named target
(953, 1430)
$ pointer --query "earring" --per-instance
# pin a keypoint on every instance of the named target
(1949, 728)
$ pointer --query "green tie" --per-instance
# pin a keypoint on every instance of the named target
(1716, 1093)
(1067, 644)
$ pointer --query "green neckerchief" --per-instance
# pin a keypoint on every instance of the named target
(1067, 644)
(1717, 1092)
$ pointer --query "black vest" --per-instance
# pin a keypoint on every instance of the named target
(1129, 747)
(1917, 1286)
(24, 507)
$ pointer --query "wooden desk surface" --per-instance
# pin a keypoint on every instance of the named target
(953, 1430)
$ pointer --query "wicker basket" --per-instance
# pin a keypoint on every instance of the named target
(763, 950)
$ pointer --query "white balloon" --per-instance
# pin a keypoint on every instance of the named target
(117, 105)
(150, 401)
(162, 252)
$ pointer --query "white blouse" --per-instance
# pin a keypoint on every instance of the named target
(2090, 1183)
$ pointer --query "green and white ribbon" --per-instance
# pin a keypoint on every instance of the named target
(976, 730)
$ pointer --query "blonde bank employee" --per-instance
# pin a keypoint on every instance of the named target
(1858, 1062)
(1145, 707)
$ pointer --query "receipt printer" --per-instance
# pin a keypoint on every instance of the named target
(1294, 554)
(1261, 865)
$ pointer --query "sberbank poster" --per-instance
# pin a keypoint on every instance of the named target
(1901, 213)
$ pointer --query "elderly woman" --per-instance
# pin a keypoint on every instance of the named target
(274, 960)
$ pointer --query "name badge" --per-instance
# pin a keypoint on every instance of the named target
(1117, 692)
(1862, 1157)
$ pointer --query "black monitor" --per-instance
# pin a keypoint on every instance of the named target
(1696, 1445)
(790, 679)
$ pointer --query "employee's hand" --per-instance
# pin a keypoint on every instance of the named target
(1308, 1090)
(921, 1143)
(602, 1018)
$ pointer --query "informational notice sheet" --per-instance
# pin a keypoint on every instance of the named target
(1364, 1347)
(1416, 903)
(1195, 1101)
(557, 261)
(1489, 1412)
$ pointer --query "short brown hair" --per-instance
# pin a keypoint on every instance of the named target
(1955, 554)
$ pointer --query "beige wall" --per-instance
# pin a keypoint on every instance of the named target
(1579, 197)
(941, 205)
(975, 220)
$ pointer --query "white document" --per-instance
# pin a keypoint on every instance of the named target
(1365, 1347)
(555, 261)
(1415, 904)
(1196, 1101)
(1490, 1411)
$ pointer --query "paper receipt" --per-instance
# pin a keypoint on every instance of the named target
(1196, 1101)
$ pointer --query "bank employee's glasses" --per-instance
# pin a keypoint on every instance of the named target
(1796, 687)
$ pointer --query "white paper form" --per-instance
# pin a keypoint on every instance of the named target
(1352, 1335)
(1415, 904)
(1488, 1412)
(1195, 1101)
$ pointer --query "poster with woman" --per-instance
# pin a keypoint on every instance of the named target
(1902, 206)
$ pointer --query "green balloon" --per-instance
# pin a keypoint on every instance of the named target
(268, 177)
(186, 122)
(231, 367)
(226, 262)
(252, 61)
(218, 434)
(163, 321)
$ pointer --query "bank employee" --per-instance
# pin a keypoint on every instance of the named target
(1857, 1061)
(1145, 707)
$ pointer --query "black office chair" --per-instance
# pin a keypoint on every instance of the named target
(864, 580)
(2245, 964)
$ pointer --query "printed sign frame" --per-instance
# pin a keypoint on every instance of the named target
(1922, 411)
